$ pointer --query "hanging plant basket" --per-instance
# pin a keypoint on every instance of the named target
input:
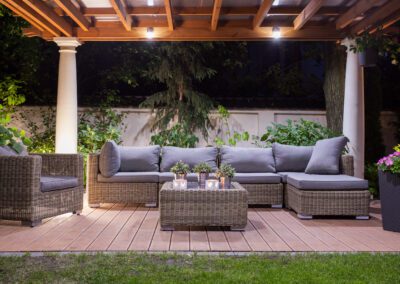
(368, 57)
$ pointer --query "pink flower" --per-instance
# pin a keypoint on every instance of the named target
(389, 162)
(396, 154)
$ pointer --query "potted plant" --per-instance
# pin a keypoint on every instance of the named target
(367, 48)
(180, 169)
(225, 173)
(203, 170)
(389, 185)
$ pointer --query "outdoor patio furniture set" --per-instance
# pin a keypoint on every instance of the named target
(312, 180)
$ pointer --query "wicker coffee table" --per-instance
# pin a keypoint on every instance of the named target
(203, 207)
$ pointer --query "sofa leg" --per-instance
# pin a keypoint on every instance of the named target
(31, 223)
(94, 205)
(237, 228)
(277, 206)
(304, 216)
(77, 212)
(151, 204)
(362, 217)
(167, 228)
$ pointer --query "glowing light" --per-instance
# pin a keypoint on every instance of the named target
(276, 32)
(150, 2)
(150, 33)
(275, 3)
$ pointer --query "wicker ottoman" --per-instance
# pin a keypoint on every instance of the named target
(203, 207)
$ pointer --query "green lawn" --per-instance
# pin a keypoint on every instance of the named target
(169, 268)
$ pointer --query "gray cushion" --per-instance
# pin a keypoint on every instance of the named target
(110, 160)
(130, 177)
(284, 175)
(139, 159)
(191, 156)
(249, 160)
(289, 158)
(191, 177)
(325, 158)
(251, 178)
(51, 183)
(326, 182)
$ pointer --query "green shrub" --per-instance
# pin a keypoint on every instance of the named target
(371, 174)
(301, 133)
(179, 136)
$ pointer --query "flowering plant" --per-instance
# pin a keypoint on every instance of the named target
(391, 163)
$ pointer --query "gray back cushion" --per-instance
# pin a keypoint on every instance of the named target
(190, 156)
(289, 158)
(139, 159)
(325, 158)
(110, 160)
(249, 160)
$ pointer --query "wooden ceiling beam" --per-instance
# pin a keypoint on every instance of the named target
(359, 8)
(262, 12)
(19, 13)
(74, 13)
(46, 12)
(168, 11)
(120, 9)
(223, 33)
(215, 14)
(206, 11)
(308, 12)
(34, 16)
(374, 20)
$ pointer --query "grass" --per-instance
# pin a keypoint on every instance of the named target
(170, 268)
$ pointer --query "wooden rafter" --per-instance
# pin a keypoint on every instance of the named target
(215, 14)
(74, 13)
(391, 20)
(372, 21)
(120, 9)
(206, 11)
(262, 12)
(309, 11)
(168, 11)
(355, 11)
(46, 12)
(20, 6)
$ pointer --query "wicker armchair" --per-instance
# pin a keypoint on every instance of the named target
(21, 197)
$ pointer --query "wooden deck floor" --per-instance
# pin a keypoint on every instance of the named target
(118, 227)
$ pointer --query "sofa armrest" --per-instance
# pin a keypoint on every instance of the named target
(347, 165)
(92, 169)
(62, 165)
(19, 178)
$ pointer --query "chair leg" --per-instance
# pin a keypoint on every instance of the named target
(304, 216)
(366, 217)
(151, 204)
(31, 223)
(237, 228)
(94, 205)
(77, 212)
(277, 206)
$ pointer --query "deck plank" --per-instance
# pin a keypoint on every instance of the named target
(199, 239)
(217, 240)
(123, 240)
(254, 239)
(180, 240)
(236, 241)
(161, 240)
(142, 239)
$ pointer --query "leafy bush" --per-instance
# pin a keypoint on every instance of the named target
(179, 136)
(301, 133)
(225, 170)
(371, 174)
(202, 168)
(180, 168)
(13, 137)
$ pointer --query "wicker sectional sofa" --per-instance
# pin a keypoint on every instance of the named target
(272, 176)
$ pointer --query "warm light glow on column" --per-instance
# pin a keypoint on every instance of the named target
(150, 33)
(67, 98)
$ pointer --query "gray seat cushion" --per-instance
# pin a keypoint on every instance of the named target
(51, 183)
(191, 156)
(326, 182)
(325, 158)
(191, 177)
(284, 175)
(139, 159)
(110, 160)
(253, 178)
(289, 158)
(130, 177)
(248, 160)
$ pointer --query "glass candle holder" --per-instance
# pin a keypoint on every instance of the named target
(179, 184)
(212, 184)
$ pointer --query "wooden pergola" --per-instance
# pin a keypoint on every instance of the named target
(197, 20)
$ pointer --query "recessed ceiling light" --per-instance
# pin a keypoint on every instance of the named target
(275, 3)
(150, 33)
(276, 32)
(150, 2)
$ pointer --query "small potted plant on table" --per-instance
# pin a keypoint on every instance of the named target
(225, 173)
(389, 185)
(180, 170)
(203, 170)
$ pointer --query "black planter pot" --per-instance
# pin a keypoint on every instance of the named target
(368, 58)
(389, 187)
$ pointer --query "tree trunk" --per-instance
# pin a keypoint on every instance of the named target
(335, 69)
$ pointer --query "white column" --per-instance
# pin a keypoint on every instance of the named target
(354, 110)
(67, 97)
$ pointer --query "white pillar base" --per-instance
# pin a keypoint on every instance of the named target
(67, 97)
